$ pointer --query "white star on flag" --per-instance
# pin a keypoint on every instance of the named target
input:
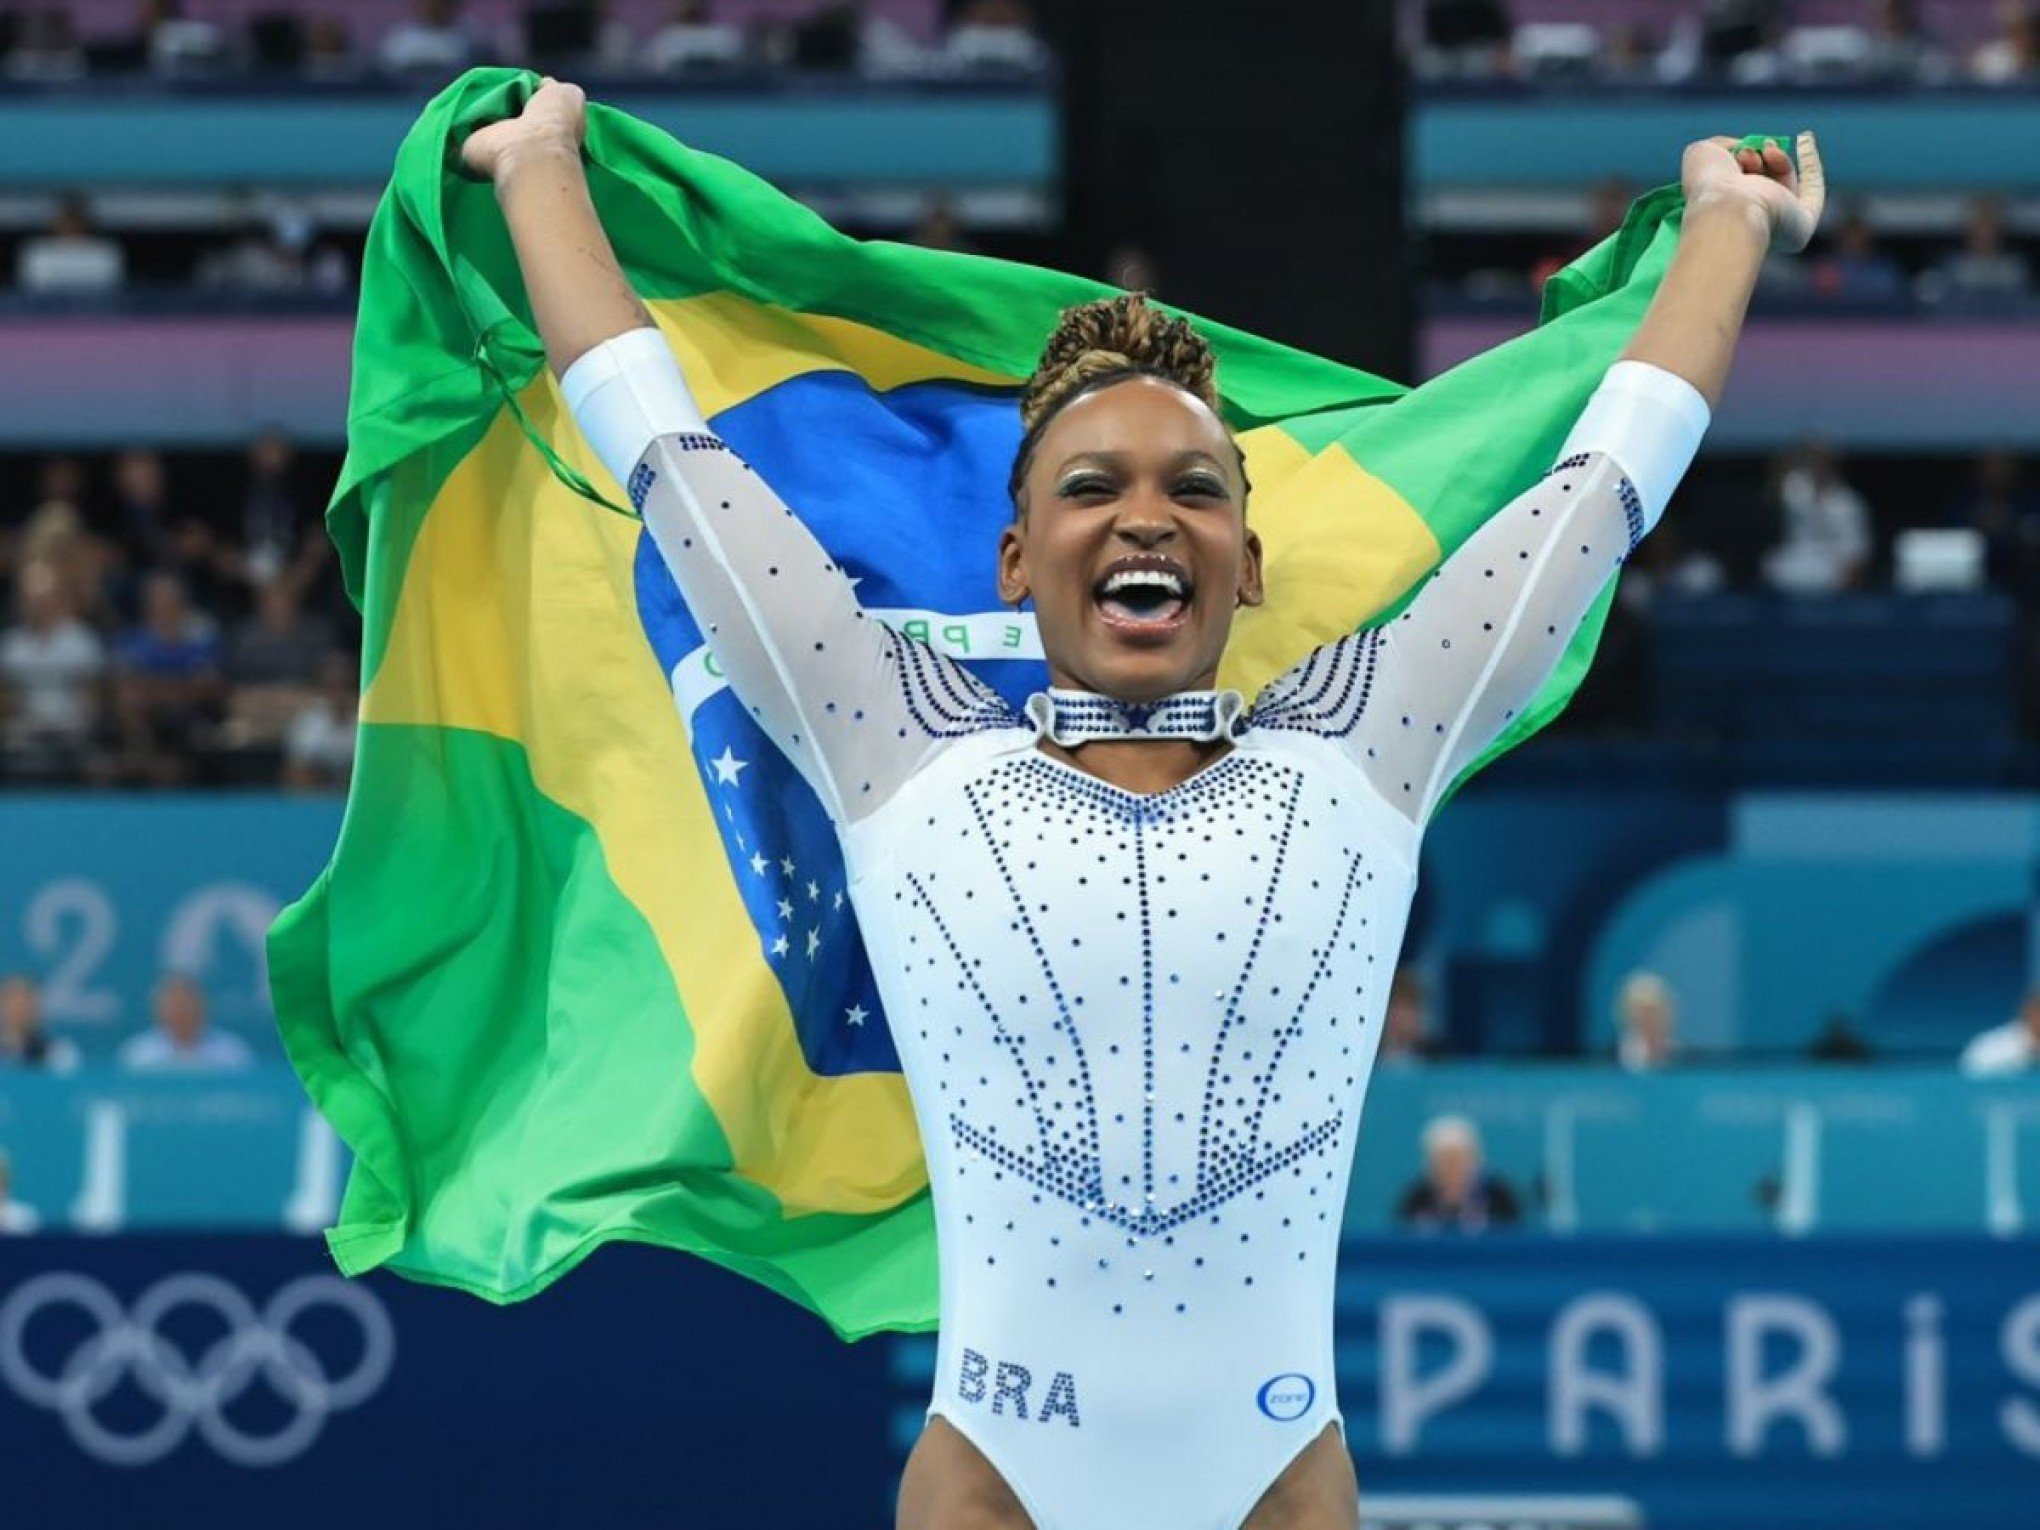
(759, 863)
(787, 865)
(785, 909)
(729, 812)
(728, 766)
(855, 1014)
(839, 899)
(813, 892)
(780, 947)
(814, 940)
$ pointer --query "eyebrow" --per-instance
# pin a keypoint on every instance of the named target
(1183, 458)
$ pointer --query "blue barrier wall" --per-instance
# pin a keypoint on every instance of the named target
(1592, 1150)
(1915, 915)
(1758, 1383)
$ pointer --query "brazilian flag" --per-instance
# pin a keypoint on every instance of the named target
(581, 967)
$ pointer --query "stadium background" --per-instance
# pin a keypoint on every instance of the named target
(1784, 1275)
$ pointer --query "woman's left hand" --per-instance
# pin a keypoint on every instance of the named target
(1789, 196)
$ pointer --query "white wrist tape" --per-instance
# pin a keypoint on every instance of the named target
(1650, 421)
(625, 394)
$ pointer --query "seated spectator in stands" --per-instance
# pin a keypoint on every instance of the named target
(1855, 270)
(1455, 1193)
(2006, 512)
(70, 257)
(16, 1218)
(1735, 40)
(167, 685)
(692, 39)
(1902, 48)
(51, 665)
(273, 665)
(1649, 1022)
(2013, 1047)
(994, 35)
(274, 252)
(278, 539)
(45, 47)
(1985, 271)
(1826, 546)
(1406, 1026)
(2013, 56)
(23, 1041)
(1669, 565)
(572, 37)
(56, 538)
(435, 42)
(1840, 1042)
(318, 748)
(330, 53)
(179, 44)
(939, 228)
(1466, 38)
(179, 1041)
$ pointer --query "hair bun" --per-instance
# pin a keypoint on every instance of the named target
(1118, 334)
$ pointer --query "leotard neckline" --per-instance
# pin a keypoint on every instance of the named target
(1071, 717)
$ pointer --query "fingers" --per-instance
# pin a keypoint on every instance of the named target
(1812, 177)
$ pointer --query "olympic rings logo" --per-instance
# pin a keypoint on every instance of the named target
(194, 1393)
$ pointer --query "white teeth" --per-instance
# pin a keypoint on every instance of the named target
(1159, 578)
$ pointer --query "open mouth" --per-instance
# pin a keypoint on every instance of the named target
(1144, 595)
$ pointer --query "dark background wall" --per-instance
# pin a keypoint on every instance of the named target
(1256, 153)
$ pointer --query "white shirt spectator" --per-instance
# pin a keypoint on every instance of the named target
(214, 1052)
(321, 739)
(2013, 1047)
(70, 263)
(1827, 533)
(17, 1220)
(51, 675)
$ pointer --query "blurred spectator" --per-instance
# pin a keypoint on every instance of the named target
(16, 1218)
(318, 749)
(1667, 563)
(1839, 1042)
(571, 36)
(138, 519)
(1467, 38)
(70, 257)
(1732, 39)
(180, 45)
(273, 543)
(1826, 546)
(167, 686)
(1648, 1018)
(23, 1041)
(1901, 46)
(2012, 57)
(691, 40)
(1455, 1193)
(273, 665)
(939, 228)
(1985, 270)
(1131, 268)
(180, 1042)
(1607, 207)
(994, 36)
(51, 665)
(273, 252)
(45, 47)
(2013, 1047)
(330, 53)
(434, 42)
(56, 538)
(1406, 1026)
(1855, 270)
(2006, 512)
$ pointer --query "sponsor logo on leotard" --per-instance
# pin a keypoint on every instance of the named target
(1287, 1396)
(1006, 1385)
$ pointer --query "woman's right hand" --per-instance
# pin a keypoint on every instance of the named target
(555, 118)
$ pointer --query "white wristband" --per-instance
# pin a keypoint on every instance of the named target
(1650, 422)
(625, 394)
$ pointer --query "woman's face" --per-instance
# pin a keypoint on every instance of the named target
(1133, 543)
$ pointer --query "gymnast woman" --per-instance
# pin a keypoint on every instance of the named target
(1134, 940)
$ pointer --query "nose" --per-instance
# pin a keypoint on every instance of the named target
(1144, 524)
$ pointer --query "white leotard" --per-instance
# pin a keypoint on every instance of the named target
(1137, 1028)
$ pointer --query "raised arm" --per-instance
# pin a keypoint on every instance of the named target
(857, 707)
(1420, 698)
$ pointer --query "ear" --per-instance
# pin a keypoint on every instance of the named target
(1251, 592)
(1012, 573)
